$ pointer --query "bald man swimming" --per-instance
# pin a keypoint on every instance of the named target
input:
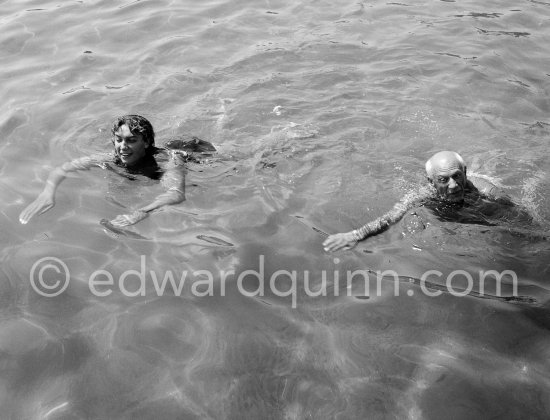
(446, 173)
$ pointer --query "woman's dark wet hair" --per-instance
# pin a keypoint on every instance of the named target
(137, 124)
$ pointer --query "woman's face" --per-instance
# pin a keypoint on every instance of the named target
(129, 147)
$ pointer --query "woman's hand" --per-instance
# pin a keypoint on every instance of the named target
(339, 241)
(42, 204)
(129, 219)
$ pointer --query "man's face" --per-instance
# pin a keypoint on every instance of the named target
(450, 183)
(129, 147)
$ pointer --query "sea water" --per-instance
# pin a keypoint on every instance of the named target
(226, 306)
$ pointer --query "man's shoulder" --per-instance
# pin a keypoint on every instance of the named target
(419, 195)
(485, 186)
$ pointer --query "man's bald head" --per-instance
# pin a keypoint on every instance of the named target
(444, 161)
(447, 173)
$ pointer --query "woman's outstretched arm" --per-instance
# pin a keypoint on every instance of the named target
(173, 182)
(46, 199)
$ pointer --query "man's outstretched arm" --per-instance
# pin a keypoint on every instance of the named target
(349, 239)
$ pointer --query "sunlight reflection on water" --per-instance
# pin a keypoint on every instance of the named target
(322, 110)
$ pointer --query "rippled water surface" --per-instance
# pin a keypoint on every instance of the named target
(323, 114)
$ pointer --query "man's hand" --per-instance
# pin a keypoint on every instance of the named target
(339, 241)
(129, 219)
(43, 203)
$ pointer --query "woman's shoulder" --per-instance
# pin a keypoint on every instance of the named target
(89, 161)
(189, 144)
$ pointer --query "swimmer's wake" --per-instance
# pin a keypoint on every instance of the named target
(214, 240)
(116, 232)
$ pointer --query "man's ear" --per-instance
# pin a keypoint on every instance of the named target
(431, 181)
